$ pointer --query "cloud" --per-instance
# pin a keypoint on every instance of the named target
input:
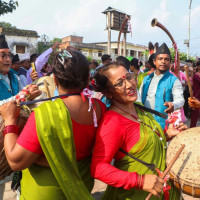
(161, 13)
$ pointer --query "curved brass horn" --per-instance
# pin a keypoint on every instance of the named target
(121, 30)
(155, 22)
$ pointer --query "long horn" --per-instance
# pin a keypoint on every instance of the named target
(121, 30)
(155, 22)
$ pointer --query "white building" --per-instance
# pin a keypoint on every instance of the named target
(21, 41)
(134, 50)
(89, 50)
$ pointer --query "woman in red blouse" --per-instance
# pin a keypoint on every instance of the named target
(126, 128)
(57, 140)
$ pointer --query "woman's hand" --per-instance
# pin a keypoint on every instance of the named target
(34, 92)
(173, 131)
(153, 184)
(194, 102)
(10, 112)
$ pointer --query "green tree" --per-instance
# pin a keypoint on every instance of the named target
(7, 25)
(89, 58)
(56, 40)
(182, 55)
(7, 7)
(146, 54)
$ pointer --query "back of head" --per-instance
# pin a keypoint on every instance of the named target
(15, 59)
(33, 57)
(105, 57)
(71, 69)
(136, 63)
(198, 63)
(95, 64)
(125, 61)
(3, 42)
(150, 61)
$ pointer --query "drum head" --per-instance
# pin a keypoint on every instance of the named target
(50, 84)
(186, 169)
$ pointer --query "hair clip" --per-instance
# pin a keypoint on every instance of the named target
(63, 55)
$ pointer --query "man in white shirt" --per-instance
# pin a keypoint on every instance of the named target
(161, 90)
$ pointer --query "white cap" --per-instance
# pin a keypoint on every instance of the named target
(25, 56)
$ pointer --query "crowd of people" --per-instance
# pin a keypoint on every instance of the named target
(96, 128)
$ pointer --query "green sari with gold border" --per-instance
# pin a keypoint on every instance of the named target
(64, 179)
(150, 148)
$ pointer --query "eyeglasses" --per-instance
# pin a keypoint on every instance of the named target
(128, 77)
(4, 55)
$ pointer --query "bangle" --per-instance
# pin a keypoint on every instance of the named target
(11, 129)
(140, 182)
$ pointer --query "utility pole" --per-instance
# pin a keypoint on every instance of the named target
(109, 33)
(188, 46)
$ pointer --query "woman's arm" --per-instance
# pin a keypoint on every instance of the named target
(109, 140)
(18, 157)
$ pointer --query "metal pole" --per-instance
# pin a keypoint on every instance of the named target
(188, 46)
(124, 45)
(109, 33)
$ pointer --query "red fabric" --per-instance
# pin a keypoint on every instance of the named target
(196, 85)
(84, 136)
(115, 132)
(28, 137)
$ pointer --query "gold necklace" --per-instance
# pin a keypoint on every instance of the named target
(136, 118)
(140, 121)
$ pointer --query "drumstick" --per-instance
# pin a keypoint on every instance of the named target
(169, 167)
(188, 80)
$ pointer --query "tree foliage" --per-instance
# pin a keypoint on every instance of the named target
(56, 40)
(7, 25)
(7, 7)
(182, 55)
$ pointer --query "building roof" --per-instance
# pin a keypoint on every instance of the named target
(18, 32)
(110, 9)
(138, 45)
(88, 45)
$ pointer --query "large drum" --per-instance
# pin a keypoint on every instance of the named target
(47, 86)
(185, 173)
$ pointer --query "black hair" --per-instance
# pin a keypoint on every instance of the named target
(33, 57)
(95, 63)
(104, 57)
(198, 63)
(136, 63)
(73, 73)
(101, 77)
(125, 61)
(150, 61)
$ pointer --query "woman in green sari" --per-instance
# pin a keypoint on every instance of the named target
(126, 131)
(54, 149)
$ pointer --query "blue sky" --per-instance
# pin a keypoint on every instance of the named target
(84, 18)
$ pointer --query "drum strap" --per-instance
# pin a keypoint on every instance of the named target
(47, 99)
(152, 111)
(152, 166)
